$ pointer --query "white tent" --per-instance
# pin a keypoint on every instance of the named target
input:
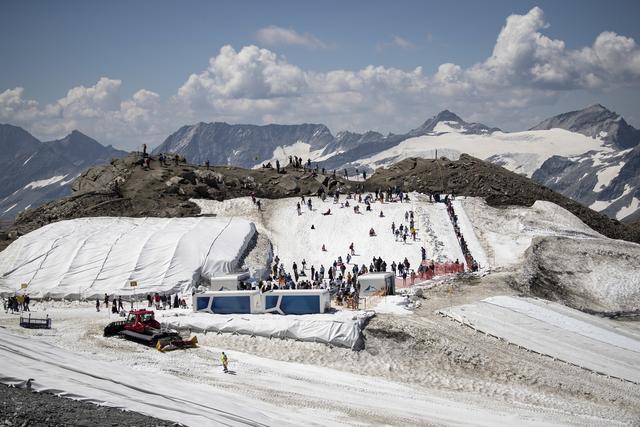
(93, 256)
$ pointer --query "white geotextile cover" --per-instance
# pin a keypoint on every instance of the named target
(342, 329)
(166, 397)
(93, 256)
(591, 342)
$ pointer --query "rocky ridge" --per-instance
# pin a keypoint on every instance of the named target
(124, 188)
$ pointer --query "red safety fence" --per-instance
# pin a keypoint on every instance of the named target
(438, 270)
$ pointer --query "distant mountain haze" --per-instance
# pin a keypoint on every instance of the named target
(34, 172)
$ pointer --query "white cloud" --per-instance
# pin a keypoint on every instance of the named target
(278, 36)
(396, 42)
(525, 70)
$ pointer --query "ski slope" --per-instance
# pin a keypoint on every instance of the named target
(293, 239)
(551, 329)
(89, 257)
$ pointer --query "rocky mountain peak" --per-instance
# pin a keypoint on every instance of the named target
(595, 121)
(453, 121)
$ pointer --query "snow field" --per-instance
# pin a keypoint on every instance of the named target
(505, 233)
(520, 152)
(293, 239)
(551, 329)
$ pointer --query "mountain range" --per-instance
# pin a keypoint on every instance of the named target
(34, 172)
(590, 155)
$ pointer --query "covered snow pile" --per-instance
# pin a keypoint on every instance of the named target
(88, 257)
(593, 343)
(595, 275)
(506, 233)
(342, 329)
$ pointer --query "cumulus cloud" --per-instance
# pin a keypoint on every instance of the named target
(278, 36)
(526, 69)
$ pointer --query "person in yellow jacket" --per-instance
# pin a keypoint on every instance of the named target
(225, 362)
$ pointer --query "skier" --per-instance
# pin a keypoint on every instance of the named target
(298, 209)
(106, 300)
(225, 362)
(120, 303)
(98, 304)
(351, 249)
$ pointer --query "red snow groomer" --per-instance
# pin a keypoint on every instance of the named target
(142, 326)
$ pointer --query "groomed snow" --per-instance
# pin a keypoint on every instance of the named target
(521, 152)
(93, 256)
(555, 330)
(293, 239)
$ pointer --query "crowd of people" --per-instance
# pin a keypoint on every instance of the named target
(17, 304)
(472, 264)
(160, 302)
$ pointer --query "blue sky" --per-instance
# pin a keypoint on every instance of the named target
(48, 48)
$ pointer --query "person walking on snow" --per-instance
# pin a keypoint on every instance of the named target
(351, 249)
(225, 362)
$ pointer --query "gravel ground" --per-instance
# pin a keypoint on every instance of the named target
(21, 407)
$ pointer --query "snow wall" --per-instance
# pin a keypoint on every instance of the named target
(89, 257)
